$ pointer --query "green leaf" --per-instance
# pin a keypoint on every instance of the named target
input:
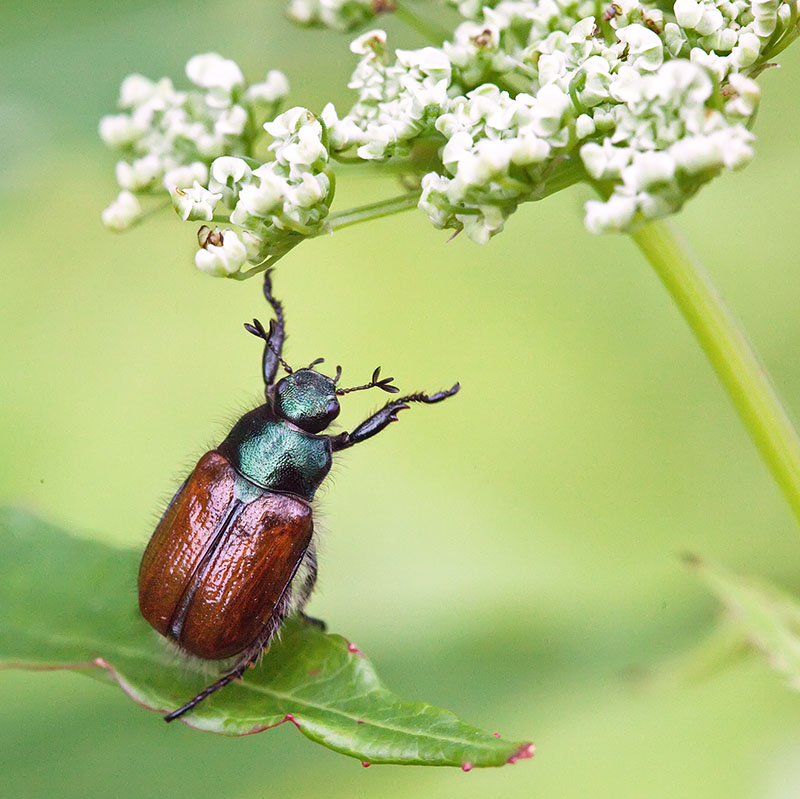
(768, 617)
(70, 603)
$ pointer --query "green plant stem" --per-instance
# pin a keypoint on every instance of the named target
(374, 210)
(730, 353)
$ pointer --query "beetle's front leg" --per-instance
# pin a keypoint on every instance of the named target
(388, 413)
(273, 340)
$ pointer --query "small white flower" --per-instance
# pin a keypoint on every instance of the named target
(122, 213)
(274, 88)
(687, 12)
(648, 169)
(614, 215)
(369, 42)
(674, 39)
(527, 149)
(746, 96)
(120, 130)
(228, 171)
(310, 190)
(226, 257)
(135, 90)
(547, 114)
(253, 244)
(220, 76)
(231, 121)
(766, 16)
(480, 227)
(196, 203)
(746, 51)
(696, 154)
(734, 143)
(185, 175)
(305, 148)
(261, 199)
(139, 174)
(584, 126)
(604, 161)
(645, 50)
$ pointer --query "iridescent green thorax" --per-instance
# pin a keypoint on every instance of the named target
(307, 399)
(277, 456)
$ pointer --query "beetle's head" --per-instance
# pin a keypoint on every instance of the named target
(308, 399)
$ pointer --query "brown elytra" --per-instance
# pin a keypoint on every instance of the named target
(217, 568)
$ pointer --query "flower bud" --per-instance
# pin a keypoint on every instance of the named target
(122, 213)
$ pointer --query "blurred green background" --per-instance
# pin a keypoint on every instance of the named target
(510, 555)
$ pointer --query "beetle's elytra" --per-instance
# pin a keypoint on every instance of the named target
(234, 553)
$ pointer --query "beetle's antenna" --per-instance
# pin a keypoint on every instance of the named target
(285, 365)
(315, 362)
(338, 375)
(383, 384)
(257, 329)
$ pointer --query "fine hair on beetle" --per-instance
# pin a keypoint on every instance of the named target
(236, 551)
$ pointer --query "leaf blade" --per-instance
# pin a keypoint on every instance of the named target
(770, 618)
(70, 603)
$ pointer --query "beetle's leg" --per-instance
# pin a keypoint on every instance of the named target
(277, 305)
(388, 413)
(277, 332)
(236, 674)
(273, 340)
(301, 596)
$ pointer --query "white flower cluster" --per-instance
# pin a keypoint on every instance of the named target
(398, 103)
(645, 101)
(168, 138)
(341, 15)
(274, 205)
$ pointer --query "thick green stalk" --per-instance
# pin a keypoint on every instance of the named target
(730, 353)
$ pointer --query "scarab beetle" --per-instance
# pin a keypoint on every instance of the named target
(234, 553)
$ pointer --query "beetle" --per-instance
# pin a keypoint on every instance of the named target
(234, 552)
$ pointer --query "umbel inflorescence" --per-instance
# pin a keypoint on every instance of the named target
(644, 101)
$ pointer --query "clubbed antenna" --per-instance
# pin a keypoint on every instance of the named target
(257, 329)
(383, 384)
(315, 362)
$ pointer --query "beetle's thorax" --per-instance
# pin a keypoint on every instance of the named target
(276, 454)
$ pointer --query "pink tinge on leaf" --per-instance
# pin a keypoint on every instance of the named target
(496, 734)
(290, 717)
(359, 721)
(351, 647)
(466, 767)
(523, 753)
(365, 764)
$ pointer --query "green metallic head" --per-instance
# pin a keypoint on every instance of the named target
(307, 399)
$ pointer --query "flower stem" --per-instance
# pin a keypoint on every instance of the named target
(730, 353)
(374, 210)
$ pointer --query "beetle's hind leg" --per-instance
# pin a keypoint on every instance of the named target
(293, 600)
(303, 593)
(248, 659)
(236, 674)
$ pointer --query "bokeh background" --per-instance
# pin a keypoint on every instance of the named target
(512, 554)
